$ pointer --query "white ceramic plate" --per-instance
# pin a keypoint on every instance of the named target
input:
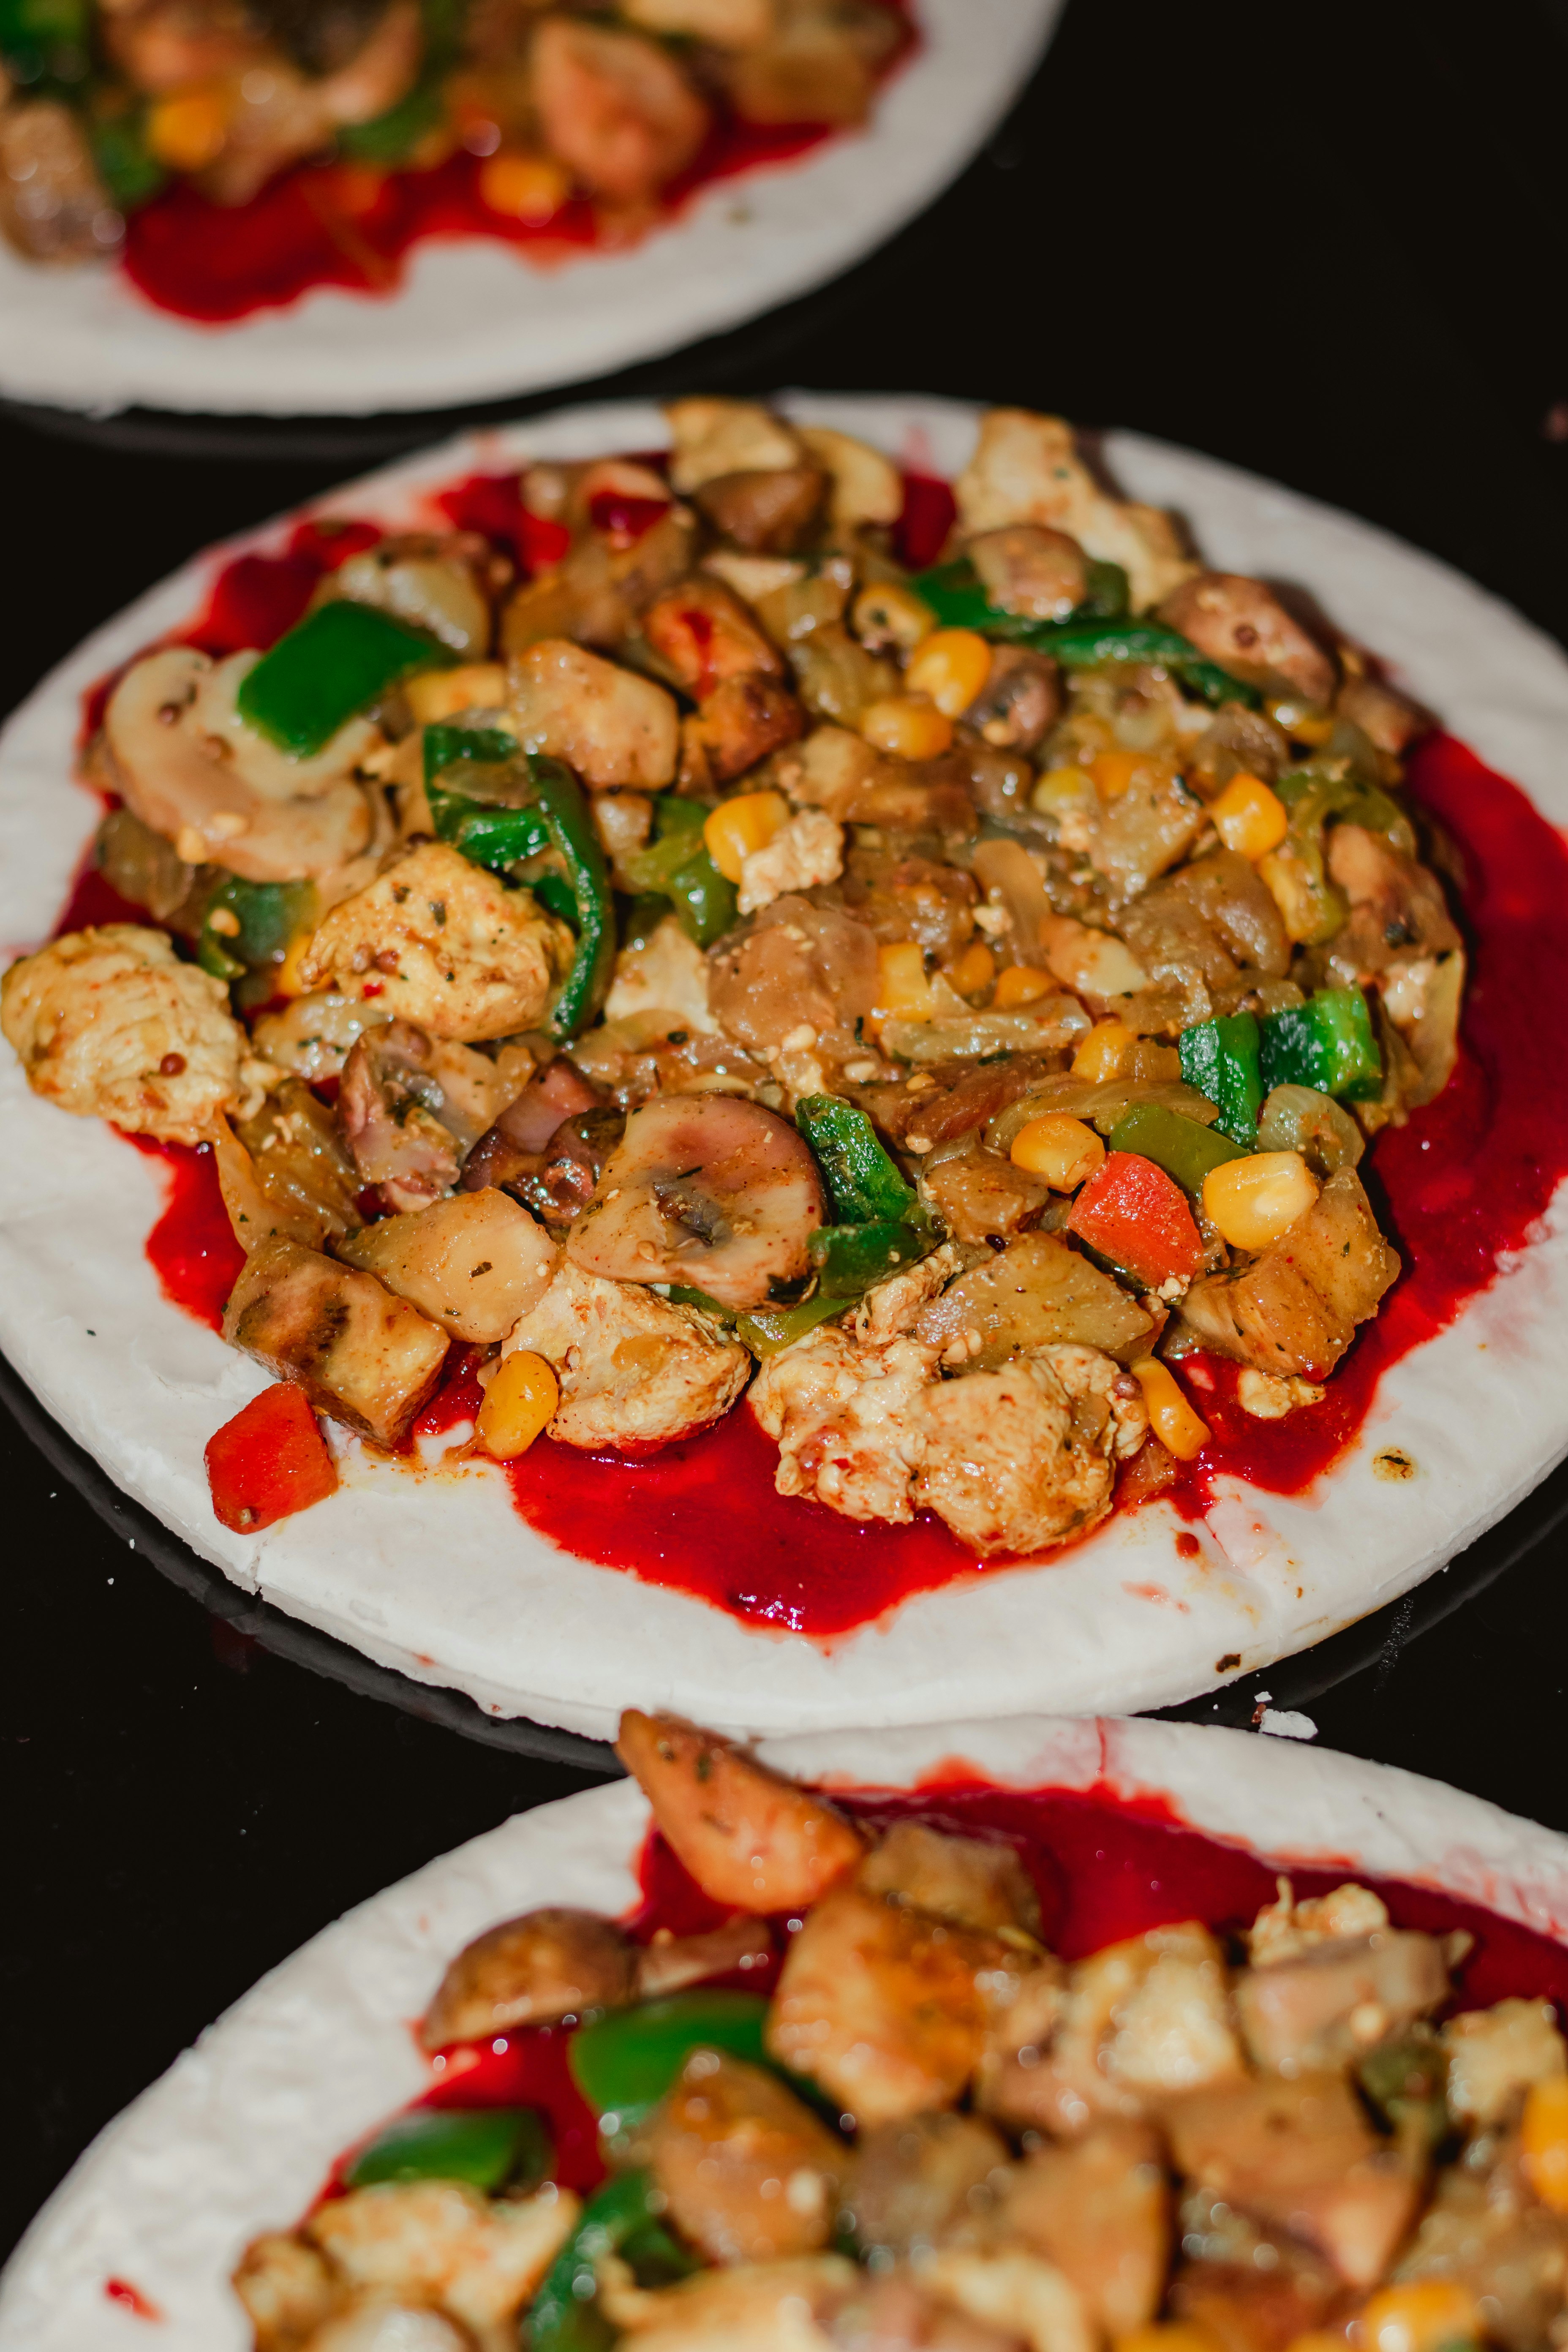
(473, 321)
(237, 2136)
(440, 1579)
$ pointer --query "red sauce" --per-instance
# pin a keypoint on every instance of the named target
(1106, 1867)
(352, 227)
(131, 2298)
(192, 1248)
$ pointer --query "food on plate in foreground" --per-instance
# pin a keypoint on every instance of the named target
(870, 2108)
(683, 939)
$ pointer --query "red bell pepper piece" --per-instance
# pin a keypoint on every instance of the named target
(1136, 1216)
(270, 1460)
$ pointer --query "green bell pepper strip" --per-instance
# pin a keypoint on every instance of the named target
(563, 2316)
(677, 864)
(1327, 1043)
(489, 2148)
(763, 1330)
(863, 1184)
(1090, 639)
(956, 594)
(324, 671)
(481, 796)
(1182, 1148)
(624, 2062)
(1324, 788)
(849, 1258)
(269, 914)
(1220, 1058)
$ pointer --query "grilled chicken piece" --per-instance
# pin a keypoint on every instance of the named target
(610, 725)
(1294, 1309)
(473, 1264)
(909, 2180)
(750, 2174)
(703, 634)
(439, 2242)
(1027, 469)
(635, 1370)
(362, 1356)
(615, 107)
(970, 1882)
(1099, 2210)
(747, 1837)
(1334, 2002)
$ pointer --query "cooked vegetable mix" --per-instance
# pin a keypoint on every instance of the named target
(931, 2131)
(706, 959)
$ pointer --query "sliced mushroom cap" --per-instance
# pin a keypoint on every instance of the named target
(389, 1109)
(1242, 624)
(531, 1971)
(162, 759)
(706, 1190)
(427, 578)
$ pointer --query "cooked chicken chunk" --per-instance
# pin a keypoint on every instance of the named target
(373, 2322)
(749, 2172)
(1027, 469)
(362, 1356)
(531, 1971)
(849, 1418)
(1294, 1309)
(1242, 624)
(1495, 2056)
(764, 2307)
(885, 2007)
(703, 634)
(1285, 1928)
(1099, 2210)
(1021, 1458)
(1336, 2000)
(809, 850)
(635, 1370)
(441, 943)
(714, 436)
(747, 1837)
(866, 487)
(970, 1882)
(911, 2179)
(668, 974)
(287, 2290)
(1015, 2291)
(111, 1025)
(612, 726)
(436, 2241)
(474, 1264)
(614, 106)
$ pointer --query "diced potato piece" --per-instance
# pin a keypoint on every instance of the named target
(613, 728)
(967, 1881)
(440, 2241)
(866, 486)
(748, 2171)
(474, 1263)
(1037, 1293)
(884, 2007)
(361, 1356)
(749, 1838)
(531, 1971)
(1100, 2210)
(1333, 2004)
(1496, 2055)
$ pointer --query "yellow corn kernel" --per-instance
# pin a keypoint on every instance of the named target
(908, 725)
(1021, 984)
(903, 991)
(1251, 1201)
(951, 666)
(525, 187)
(1418, 2316)
(1544, 2137)
(1171, 1417)
(735, 828)
(1103, 1051)
(442, 693)
(1064, 1150)
(1250, 818)
(1060, 790)
(186, 133)
(288, 981)
(1171, 2335)
(889, 614)
(519, 1406)
(974, 971)
(1302, 722)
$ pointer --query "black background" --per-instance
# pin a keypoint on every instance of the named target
(1325, 241)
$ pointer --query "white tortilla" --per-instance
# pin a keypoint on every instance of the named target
(474, 320)
(238, 2136)
(440, 1579)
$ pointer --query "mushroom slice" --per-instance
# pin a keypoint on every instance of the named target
(706, 1190)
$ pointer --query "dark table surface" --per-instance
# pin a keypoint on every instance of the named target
(1327, 242)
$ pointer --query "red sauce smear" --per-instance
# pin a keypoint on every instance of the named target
(1106, 1867)
(131, 2298)
(353, 226)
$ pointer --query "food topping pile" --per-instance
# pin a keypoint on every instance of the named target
(684, 951)
(102, 106)
(932, 2132)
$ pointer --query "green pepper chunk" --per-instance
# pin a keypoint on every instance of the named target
(390, 139)
(1322, 788)
(269, 914)
(325, 670)
(564, 2317)
(1099, 632)
(956, 594)
(481, 796)
(1327, 1043)
(1182, 1147)
(624, 2062)
(763, 1330)
(1220, 1058)
(489, 2148)
(863, 1184)
(677, 864)
(849, 1258)
(45, 36)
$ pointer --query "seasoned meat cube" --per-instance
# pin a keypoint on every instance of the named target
(109, 1024)
(1015, 2291)
(1285, 1928)
(1484, 2230)
(847, 1420)
(635, 1370)
(747, 1837)
(615, 107)
(1027, 568)
(440, 2241)
(1100, 2210)
(885, 2008)
(531, 1971)
(286, 2288)
(807, 851)
(714, 435)
(768, 512)
(979, 1194)
(1020, 1458)
(596, 594)
(473, 1264)
(1021, 2030)
(1333, 2004)
(1294, 1309)
(799, 966)
(748, 2171)
(444, 944)
(1145, 830)
(704, 635)
(969, 1881)
(910, 2180)
(1242, 624)
(1495, 2056)
(362, 1356)
(1037, 1292)
(613, 728)
(739, 723)
(1027, 469)
(760, 2308)
(1301, 2156)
